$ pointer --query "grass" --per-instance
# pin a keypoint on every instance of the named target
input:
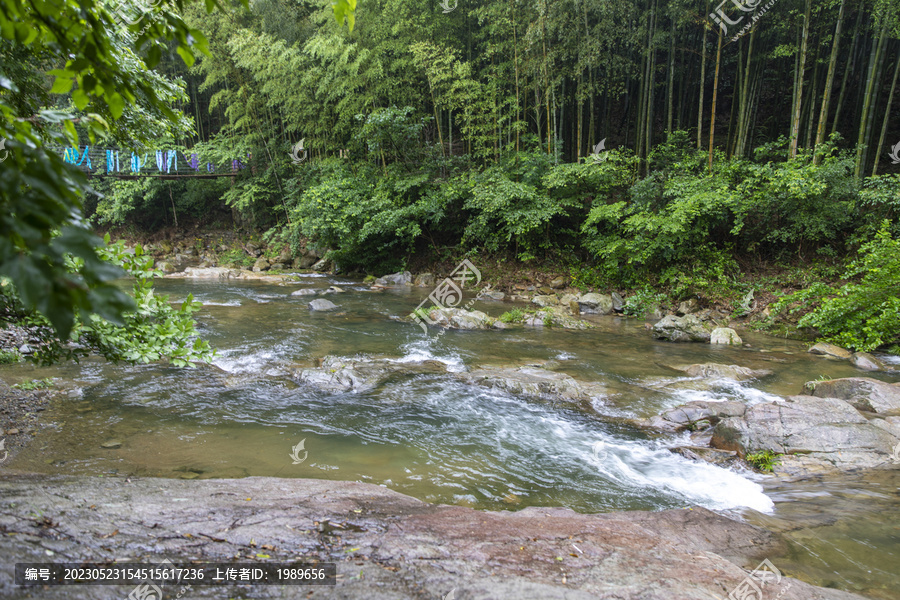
(764, 460)
(34, 384)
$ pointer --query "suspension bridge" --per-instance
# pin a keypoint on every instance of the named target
(162, 164)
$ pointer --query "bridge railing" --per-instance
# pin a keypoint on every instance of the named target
(104, 161)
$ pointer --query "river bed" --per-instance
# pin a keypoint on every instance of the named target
(433, 437)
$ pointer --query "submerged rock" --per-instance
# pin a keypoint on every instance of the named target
(304, 292)
(863, 393)
(680, 329)
(721, 458)
(536, 381)
(344, 374)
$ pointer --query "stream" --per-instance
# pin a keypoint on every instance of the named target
(438, 439)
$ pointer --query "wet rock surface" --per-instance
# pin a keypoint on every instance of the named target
(386, 545)
(537, 382)
(688, 328)
(719, 371)
(863, 393)
(356, 375)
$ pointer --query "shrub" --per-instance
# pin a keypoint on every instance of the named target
(764, 460)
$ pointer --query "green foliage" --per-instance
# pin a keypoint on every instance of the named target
(154, 330)
(764, 460)
(34, 384)
(9, 357)
(515, 315)
(862, 314)
(237, 258)
(639, 303)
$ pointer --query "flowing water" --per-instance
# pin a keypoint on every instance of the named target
(433, 437)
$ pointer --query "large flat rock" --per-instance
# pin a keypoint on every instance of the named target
(386, 545)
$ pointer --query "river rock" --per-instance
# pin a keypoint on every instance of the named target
(687, 307)
(696, 415)
(457, 318)
(360, 374)
(402, 279)
(492, 295)
(866, 362)
(321, 265)
(863, 393)
(305, 262)
(558, 283)
(285, 257)
(322, 305)
(304, 292)
(261, 264)
(555, 316)
(680, 329)
(111, 444)
(278, 266)
(618, 303)
(548, 300)
(721, 458)
(424, 280)
(592, 303)
(717, 371)
(537, 382)
(165, 266)
(725, 335)
(828, 432)
(823, 349)
(402, 548)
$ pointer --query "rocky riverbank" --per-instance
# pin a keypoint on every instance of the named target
(386, 545)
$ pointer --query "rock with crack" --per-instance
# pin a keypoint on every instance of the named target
(864, 393)
(387, 546)
(822, 432)
(688, 328)
(693, 416)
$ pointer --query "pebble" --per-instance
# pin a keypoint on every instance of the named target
(13, 431)
(111, 444)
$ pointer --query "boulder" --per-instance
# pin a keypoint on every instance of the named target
(823, 349)
(333, 289)
(424, 280)
(600, 304)
(321, 265)
(558, 283)
(866, 362)
(863, 393)
(827, 431)
(688, 306)
(304, 292)
(165, 266)
(618, 304)
(718, 371)
(493, 295)
(694, 415)
(457, 318)
(356, 375)
(305, 262)
(322, 305)
(261, 264)
(279, 266)
(285, 257)
(555, 316)
(725, 335)
(548, 300)
(402, 279)
(680, 329)
(545, 290)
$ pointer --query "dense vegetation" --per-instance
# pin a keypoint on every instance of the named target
(477, 130)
